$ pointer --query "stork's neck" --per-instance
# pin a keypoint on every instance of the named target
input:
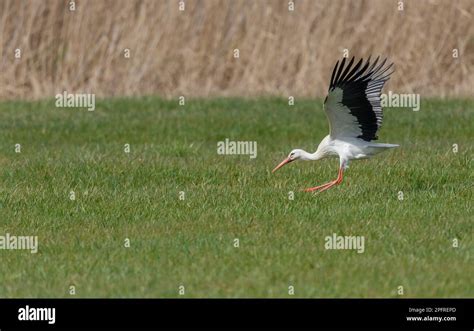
(312, 156)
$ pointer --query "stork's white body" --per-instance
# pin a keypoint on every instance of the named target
(345, 149)
(348, 148)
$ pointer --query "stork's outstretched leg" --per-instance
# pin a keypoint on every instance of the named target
(326, 186)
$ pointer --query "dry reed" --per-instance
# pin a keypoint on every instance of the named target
(190, 52)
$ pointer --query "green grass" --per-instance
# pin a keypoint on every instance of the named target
(190, 242)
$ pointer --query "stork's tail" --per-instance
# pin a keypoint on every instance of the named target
(376, 148)
(384, 145)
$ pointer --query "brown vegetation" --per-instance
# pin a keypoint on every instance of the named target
(190, 52)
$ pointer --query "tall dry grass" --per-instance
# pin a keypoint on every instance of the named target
(191, 53)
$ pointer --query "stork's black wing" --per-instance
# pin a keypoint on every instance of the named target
(353, 103)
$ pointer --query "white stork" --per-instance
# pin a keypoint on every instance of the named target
(354, 113)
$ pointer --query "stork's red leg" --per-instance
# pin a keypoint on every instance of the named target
(326, 186)
(311, 189)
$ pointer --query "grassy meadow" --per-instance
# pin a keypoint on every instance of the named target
(190, 242)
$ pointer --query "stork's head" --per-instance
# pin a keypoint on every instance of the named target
(296, 154)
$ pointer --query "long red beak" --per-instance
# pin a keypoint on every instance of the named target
(285, 161)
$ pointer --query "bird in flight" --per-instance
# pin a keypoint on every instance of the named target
(354, 113)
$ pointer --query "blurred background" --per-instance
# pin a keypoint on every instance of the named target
(191, 52)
